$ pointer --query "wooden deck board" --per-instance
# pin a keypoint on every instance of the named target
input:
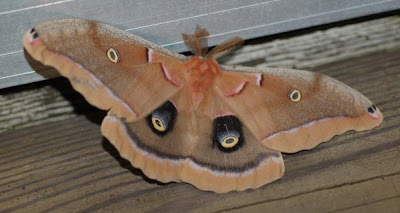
(68, 166)
(50, 101)
(163, 21)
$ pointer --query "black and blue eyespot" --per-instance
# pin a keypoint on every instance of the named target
(228, 135)
(161, 120)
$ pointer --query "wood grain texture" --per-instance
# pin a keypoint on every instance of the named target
(54, 100)
(154, 20)
(68, 166)
(322, 46)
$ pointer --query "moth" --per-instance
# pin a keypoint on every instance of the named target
(189, 119)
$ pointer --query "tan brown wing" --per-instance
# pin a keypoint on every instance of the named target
(113, 69)
(292, 110)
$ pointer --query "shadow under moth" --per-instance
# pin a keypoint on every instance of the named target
(189, 119)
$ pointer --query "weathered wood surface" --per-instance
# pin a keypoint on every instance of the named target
(155, 20)
(68, 166)
(54, 100)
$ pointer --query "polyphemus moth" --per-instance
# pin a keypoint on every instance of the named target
(189, 119)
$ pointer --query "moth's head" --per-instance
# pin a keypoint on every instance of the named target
(197, 43)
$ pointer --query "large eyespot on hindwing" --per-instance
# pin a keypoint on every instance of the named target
(161, 120)
(228, 134)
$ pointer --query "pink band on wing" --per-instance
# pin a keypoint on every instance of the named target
(239, 88)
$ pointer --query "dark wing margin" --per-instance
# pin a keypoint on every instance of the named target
(203, 166)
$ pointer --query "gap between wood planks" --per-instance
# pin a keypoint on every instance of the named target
(54, 100)
(66, 165)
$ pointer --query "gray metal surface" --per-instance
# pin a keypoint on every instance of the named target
(163, 21)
